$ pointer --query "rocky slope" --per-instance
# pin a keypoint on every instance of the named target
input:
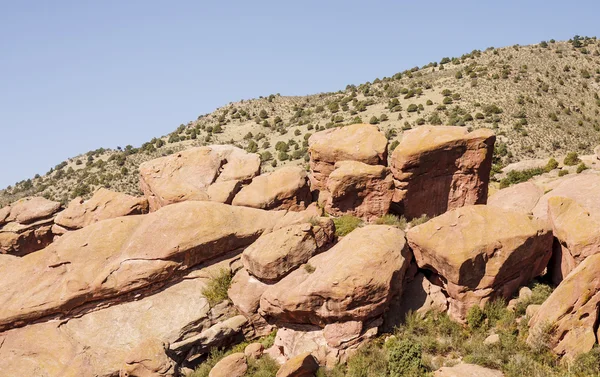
(216, 253)
(541, 100)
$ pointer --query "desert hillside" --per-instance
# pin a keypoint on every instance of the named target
(541, 100)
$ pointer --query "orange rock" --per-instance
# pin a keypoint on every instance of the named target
(441, 168)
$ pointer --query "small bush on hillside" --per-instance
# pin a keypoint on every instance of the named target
(216, 289)
(393, 220)
(404, 358)
(346, 224)
(563, 172)
(572, 159)
(551, 165)
(419, 220)
(412, 108)
(581, 167)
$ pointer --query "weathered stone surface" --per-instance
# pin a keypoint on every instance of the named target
(582, 188)
(303, 365)
(357, 142)
(233, 365)
(522, 197)
(112, 339)
(420, 296)
(245, 292)
(572, 311)
(355, 188)
(26, 225)
(104, 204)
(275, 254)
(254, 350)
(223, 192)
(441, 168)
(112, 257)
(285, 188)
(494, 252)
(467, 370)
(148, 360)
(354, 280)
(186, 175)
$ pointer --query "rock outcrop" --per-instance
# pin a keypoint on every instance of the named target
(357, 142)
(103, 205)
(186, 175)
(110, 258)
(26, 225)
(285, 188)
(570, 315)
(467, 370)
(234, 365)
(355, 188)
(441, 168)
(493, 252)
(354, 280)
(303, 365)
(522, 197)
(276, 254)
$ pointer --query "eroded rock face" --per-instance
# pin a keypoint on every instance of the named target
(356, 142)
(129, 338)
(105, 204)
(186, 175)
(276, 254)
(26, 225)
(441, 168)
(355, 188)
(522, 197)
(571, 311)
(420, 296)
(493, 252)
(112, 257)
(285, 188)
(354, 280)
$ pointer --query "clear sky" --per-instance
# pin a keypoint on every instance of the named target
(79, 75)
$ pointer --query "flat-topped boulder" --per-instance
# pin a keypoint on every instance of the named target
(437, 169)
(186, 175)
(571, 312)
(481, 252)
(107, 259)
(354, 280)
(104, 204)
(358, 189)
(26, 225)
(285, 188)
(522, 197)
(276, 254)
(356, 142)
(583, 188)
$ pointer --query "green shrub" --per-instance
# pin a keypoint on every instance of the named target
(216, 289)
(419, 220)
(581, 167)
(346, 224)
(475, 317)
(393, 220)
(405, 358)
(412, 108)
(572, 159)
(551, 165)
(518, 176)
(563, 172)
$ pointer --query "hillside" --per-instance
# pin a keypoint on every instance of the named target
(542, 100)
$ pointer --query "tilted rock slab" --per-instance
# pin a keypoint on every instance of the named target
(103, 205)
(354, 280)
(570, 315)
(481, 253)
(355, 188)
(275, 254)
(112, 257)
(285, 188)
(356, 142)
(467, 370)
(186, 175)
(26, 225)
(522, 197)
(441, 168)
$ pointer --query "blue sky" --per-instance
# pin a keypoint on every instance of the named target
(79, 75)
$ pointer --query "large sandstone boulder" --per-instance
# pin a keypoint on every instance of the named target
(110, 258)
(481, 253)
(104, 204)
(303, 365)
(354, 280)
(521, 197)
(573, 210)
(441, 168)
(356, 142)
(467, 370)
(186, 175)
(26, 225)
(275, 254)
(129, 337)
(233, 365)
(245, 292)
(285, 188)
(355, 188)
(570, 315)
